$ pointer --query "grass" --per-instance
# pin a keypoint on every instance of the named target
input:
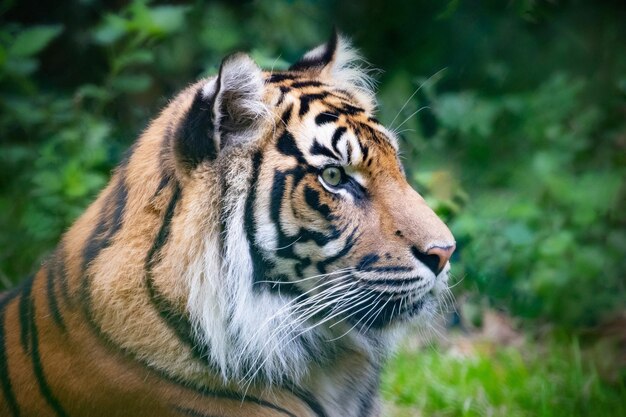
(483, 379)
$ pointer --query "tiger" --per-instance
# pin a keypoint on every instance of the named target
(257, 252)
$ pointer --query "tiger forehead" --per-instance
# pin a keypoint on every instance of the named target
(305, 98)
(308, 91)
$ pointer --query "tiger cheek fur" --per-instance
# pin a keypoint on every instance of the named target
(253, 254)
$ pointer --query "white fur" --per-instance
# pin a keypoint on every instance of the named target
(241, 76)
(210, 88)
(238, 323)
(350, 71)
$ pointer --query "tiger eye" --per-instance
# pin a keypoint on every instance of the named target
(332, 176)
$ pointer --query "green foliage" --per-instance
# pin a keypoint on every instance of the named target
(541, 233)
(511, 127)
(475, 379)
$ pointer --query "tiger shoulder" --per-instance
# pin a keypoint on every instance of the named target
(256, 253)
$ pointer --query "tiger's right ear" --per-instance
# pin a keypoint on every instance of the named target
(224, 112)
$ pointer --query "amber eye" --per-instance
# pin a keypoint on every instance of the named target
(332, 176)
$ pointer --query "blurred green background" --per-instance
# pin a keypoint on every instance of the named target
(512, 116)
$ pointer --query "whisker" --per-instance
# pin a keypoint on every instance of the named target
(301, 320)
(289, 305)
(320, 276)
(290, 244)
(355, 324)
(373, 320)
(413, 95)
(411, 115)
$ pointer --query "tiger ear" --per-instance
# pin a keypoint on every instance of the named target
(238, 103)
(320, 58)
(338, 62)
(225, 111)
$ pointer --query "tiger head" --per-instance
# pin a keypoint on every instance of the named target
(319, 243)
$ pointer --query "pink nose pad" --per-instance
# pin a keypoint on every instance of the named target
(443, 253)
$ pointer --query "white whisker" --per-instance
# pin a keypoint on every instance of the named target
(413, 95)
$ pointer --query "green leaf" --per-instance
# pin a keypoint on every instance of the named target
(168, 19)
(132, 83)
(32, 40)
(112, 29)
(138, 57)
(93, 91)
(21, 66)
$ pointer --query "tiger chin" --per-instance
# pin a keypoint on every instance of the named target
(253, 255)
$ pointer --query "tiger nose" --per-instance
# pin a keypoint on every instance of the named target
(436, 257)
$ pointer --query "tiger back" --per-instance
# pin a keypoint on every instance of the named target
(256, 253)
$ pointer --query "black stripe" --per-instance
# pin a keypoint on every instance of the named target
(61, 273)
(391, 281)
(232, 395)
(319, 149)
(326, 117)
(349, 151)
(286, 116)
(282, 285)
(285, 242)
(165, 180)
(365, 150)
(367, 261)
(52, 299)
(262, 403)
(312, 198)
(194, 141)
(308, 398)
(307, 83)
(25, 313)
(281, 76)
(307, 99)
(321, 266)
(44, 388)
(109, 223)
(336, 136)
(5, 378)
(259, 265)
(101, 238)
(390, 268)
(286, 144)
(177, 321)
(348, 109)
(281, 98)
(164, 230)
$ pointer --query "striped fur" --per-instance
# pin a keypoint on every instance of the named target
(220, 273)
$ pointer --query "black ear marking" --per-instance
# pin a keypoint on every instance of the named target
(194, 139)
(319, 57)
(224, 111)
